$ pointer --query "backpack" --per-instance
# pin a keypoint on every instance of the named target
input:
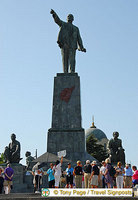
(112, 171)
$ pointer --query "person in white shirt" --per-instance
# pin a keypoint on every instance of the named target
(119, 175)
(37, 173)
(57, 171)
(102, 172)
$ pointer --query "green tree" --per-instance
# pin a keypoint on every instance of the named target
(96, 150)
(2, 158)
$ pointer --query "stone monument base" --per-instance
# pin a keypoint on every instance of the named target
(21, 182)
(73, 141)
(66, 132)
(70, 140)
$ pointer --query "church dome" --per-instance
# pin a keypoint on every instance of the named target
(97, 133)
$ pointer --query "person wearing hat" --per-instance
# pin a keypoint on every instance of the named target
(102, 172)
(128, 176)
(87, 174)
(78, 174)
(94, 178)
(69, 176)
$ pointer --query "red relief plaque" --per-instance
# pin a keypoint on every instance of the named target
(66, 94)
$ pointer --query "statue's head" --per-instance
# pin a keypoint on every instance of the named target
(115, 134)
(6, 148)
(13, 137)
(28, 153)
(70, 18)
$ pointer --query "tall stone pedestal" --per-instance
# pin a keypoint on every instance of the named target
(66, 102)
(66, 132)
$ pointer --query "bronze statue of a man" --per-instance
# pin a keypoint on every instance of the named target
(116, 151)
(29, 159)
(12, 152)
(69, 40)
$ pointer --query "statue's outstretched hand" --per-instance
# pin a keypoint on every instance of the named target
(52, 11)
(82, 49)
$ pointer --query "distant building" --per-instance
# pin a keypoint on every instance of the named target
(98, 134)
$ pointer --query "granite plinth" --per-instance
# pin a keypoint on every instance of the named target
(66, 112)
(70, 140)
(66, 132)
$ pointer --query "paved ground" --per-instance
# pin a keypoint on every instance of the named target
(31, 196)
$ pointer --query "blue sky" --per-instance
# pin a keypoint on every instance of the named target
(30, 58)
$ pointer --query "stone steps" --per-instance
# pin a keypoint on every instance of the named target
(32, 196)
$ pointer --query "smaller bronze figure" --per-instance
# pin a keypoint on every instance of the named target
(29, 159)
(116, 151)
(69, 40)
(12, 152)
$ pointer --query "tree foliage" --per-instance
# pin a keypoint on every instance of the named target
(96, 150)
(2, 158)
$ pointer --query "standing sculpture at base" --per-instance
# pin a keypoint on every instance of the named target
(29, 159)
(12, 152)
(116, 151)
(69, 40)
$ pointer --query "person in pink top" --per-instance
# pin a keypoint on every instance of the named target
(135, 176)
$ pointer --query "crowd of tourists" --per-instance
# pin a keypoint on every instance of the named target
(91, 175)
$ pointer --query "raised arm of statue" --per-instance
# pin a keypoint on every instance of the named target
(56, 17)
